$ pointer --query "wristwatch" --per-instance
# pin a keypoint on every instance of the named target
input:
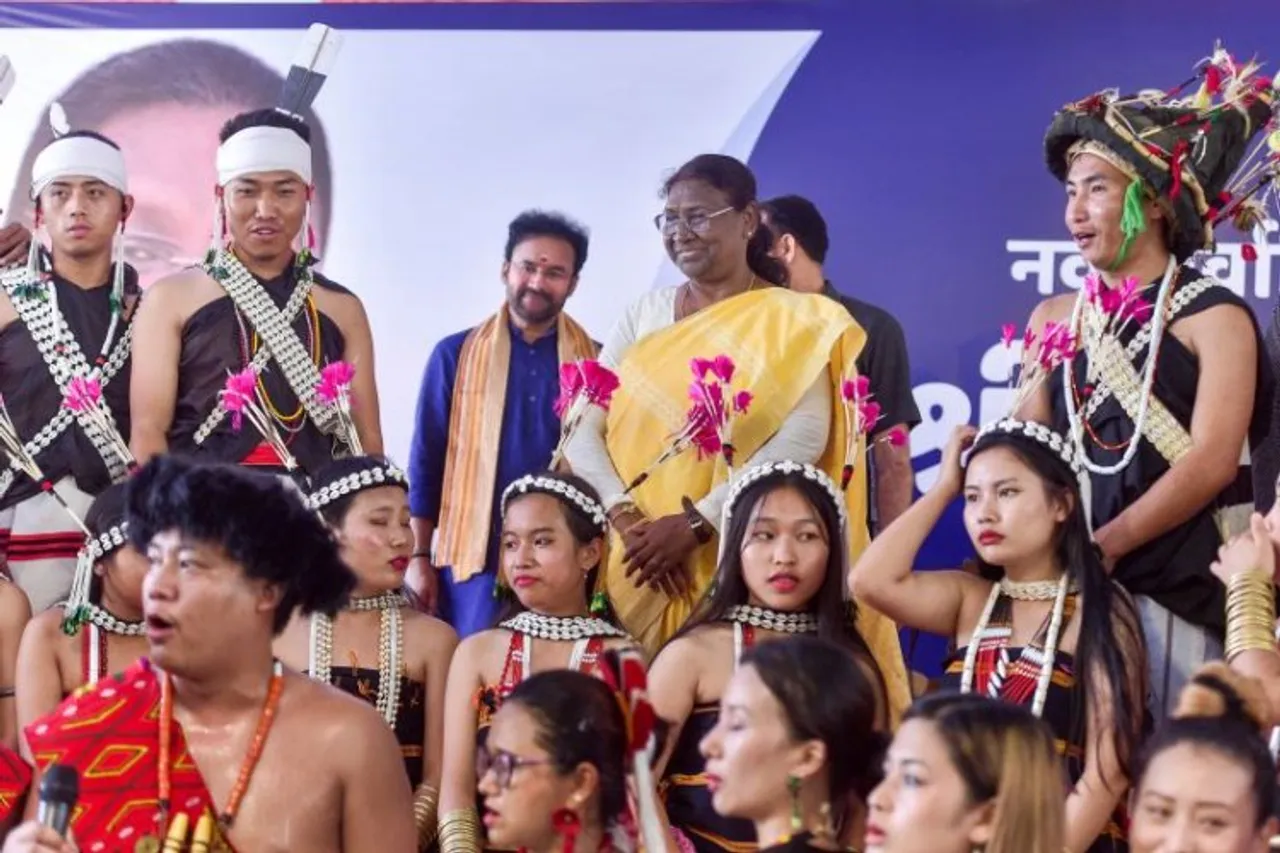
(701, 529)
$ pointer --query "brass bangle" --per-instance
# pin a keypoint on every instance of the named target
(424, 815)
(460, 831)
(1251, 614)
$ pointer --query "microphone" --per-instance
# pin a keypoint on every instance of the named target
(59, 790)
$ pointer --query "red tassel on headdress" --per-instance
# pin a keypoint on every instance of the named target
(1249, 252)
(1175, 168)
(568, 824)
(1213, 79)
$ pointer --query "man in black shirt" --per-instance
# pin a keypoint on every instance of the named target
(800, 241)
(65, 322)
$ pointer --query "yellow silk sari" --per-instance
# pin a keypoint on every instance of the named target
(782, 342)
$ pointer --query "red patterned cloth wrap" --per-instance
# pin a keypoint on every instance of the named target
(15, 778)
(110, 733)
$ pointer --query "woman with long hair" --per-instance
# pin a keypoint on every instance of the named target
(553, 530)
(1206, 781)
(1041, 624)
(389, 654)
(790, 351)
(796, 749)
(968, 774)
(782, 572)
(99, 629)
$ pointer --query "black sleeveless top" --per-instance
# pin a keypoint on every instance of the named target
(410, 728)
(217, 341)
(1174, 568)
(33, 398)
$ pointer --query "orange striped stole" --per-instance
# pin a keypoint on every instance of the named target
(475, 430)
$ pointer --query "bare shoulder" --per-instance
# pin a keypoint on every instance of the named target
(182, 293)
(44, 627)
(432, 638)
(325, 712)
(342, 305)
(686, 653)
(15, 608)
(483, 653)
(428, 628)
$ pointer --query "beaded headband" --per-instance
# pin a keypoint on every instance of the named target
(1054, 443)
(769, 469)
(94, 550)
(385, 474)
(1037, 432)
(559, 488)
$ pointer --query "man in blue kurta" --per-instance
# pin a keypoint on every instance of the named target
(485, 417)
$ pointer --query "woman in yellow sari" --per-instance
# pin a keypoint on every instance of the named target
(791, 351)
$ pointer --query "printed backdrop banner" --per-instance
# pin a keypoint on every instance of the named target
(915, 127)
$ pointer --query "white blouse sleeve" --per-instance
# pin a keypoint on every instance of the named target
(586, 452)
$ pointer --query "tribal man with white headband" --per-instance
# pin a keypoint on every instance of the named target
(65, 322)
(256, 303)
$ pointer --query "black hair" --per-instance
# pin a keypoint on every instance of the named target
(582, 527)
(335, 512)
(826, 696)
(735, 180)
(799, 217)
(1212, 714)
(837, 617)
(580, 722)
(90, 134)
(264, 118)
(258, 521)
(106, 511)
(1111, 640)
(541, 223)
(189, 72)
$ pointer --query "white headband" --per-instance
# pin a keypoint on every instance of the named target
(781, 468)
(554, 486)
(263, 149)
(356, 481)
(78, 156)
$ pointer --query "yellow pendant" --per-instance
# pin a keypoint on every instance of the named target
(1273, 141)
(147, 844)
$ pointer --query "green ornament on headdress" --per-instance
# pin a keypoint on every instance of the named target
(1132, 223)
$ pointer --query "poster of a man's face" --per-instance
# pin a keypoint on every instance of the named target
(138, 99)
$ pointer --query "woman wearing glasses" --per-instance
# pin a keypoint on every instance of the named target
(552, 538)
(553, 776)
(790, 351)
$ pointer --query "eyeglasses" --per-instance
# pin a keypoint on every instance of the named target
(502, 764)
(698, 223)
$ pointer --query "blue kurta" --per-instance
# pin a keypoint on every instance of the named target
(530, 431)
